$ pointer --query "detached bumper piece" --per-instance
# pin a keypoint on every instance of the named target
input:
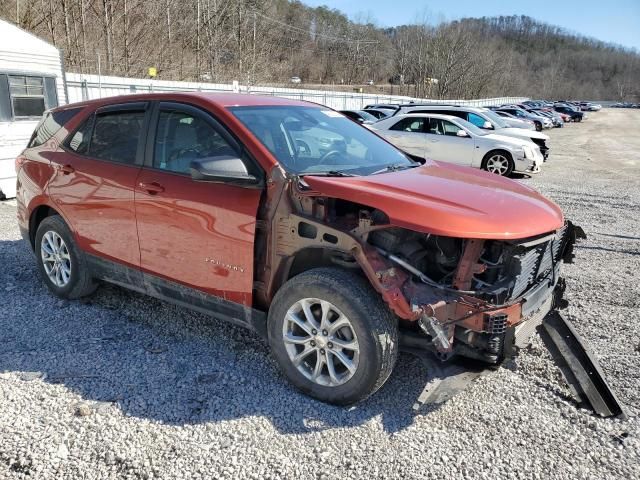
(579, 367)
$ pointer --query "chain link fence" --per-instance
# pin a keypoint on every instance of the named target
(87, 87)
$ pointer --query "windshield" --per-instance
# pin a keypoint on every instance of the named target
(496, 119)
(315, 140)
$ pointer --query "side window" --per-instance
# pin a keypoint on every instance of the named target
(116, 135)
(79, 142)
(182, 138)
(435, 127)
(456, 113)
(449, 128)
(409, 124)
(477, 120)
(51, 122)
(27, 95)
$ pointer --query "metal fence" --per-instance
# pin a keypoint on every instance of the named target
(86, 87)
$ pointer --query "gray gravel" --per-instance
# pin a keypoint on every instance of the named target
(124, 386)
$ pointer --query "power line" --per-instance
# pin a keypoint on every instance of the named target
(322, 35)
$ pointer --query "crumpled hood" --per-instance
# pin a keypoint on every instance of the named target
(449, 200)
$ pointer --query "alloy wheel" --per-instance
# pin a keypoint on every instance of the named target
(321, 342)
(498, 164)
(55, 258)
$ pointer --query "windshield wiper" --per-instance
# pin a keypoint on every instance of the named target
(330, 173)
(395, 167)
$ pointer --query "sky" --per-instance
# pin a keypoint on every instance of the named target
(615, 21)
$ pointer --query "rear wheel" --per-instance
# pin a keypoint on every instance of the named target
(498, 162)
(61, 265)
(332, 335)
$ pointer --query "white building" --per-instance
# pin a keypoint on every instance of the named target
(31, 81)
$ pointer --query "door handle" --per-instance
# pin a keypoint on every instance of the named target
(66, 169)
(433, 140)
(152, 188)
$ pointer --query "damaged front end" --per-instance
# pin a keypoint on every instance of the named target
(480, 299)
(465, 301)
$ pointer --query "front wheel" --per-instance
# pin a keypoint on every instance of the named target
(332, 335)
(498, 162)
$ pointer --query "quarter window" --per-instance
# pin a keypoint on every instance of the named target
(116, 135)
(409, 124)
(27, 95)
(50, 124)
(182, 138)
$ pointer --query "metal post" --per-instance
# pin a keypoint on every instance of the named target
(99, 78)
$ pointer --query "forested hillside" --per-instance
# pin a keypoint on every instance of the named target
(268, 41)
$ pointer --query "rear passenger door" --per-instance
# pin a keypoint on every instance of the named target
(193, 234)
(94, 181)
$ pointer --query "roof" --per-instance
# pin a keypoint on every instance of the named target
(14, 39)
(220, 99)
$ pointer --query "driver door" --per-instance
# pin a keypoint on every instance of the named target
(444, 144)
(194, 234)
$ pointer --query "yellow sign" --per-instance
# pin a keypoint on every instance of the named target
(153, 71)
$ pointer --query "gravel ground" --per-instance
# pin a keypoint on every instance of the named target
(123, 386)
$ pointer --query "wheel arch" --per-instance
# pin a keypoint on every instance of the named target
(502, 150)
(38, 214)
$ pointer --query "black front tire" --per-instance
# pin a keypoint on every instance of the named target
(374, 325)
(80, 282)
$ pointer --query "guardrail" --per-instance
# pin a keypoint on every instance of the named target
(87, 87)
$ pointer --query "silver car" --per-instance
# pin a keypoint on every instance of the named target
(450, 139)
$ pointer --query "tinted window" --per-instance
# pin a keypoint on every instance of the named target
(182, 138)
(79, 141)
(51, 122)
(116, 135)
(409, 124)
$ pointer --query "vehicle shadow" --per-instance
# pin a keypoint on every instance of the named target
(519, 176)
(119, 349)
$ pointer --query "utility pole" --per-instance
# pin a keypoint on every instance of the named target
(253, 63)
(99, 77)
(18, 12)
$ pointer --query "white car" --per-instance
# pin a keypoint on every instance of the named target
(450, 139)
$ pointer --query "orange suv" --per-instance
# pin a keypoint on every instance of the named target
(289, 219)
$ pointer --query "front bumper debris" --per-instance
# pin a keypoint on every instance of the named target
(579, 367)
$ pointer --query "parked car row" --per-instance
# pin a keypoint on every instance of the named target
(625, 105)
(500, 139)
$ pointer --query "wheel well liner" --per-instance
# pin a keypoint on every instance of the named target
(37, 216)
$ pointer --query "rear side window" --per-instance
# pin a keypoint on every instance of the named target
(409, 124)
(50, 123)
(116, 135)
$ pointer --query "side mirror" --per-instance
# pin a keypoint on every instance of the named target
(487, 125)
(462, 133)
(222, 169)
